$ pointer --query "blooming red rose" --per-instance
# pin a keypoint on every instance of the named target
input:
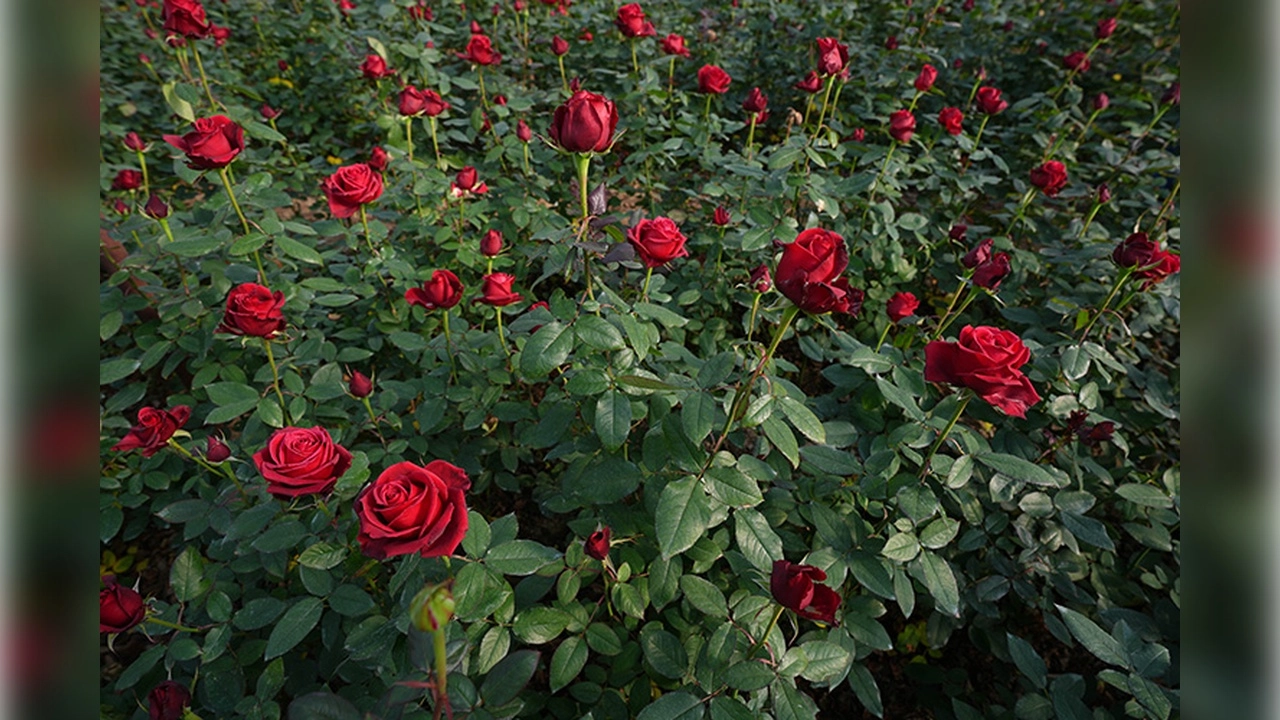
(421, 12)
(597, 543)
(720, 216)
(346, 6)
(990, 102)
(795, 587)
(467, 182)
(1106, 28)
(351, 186)
(500, 100)
(902, 125)
(951, 120)
(301, 461)
(927, 77)
(755, 101)
(986, 360)
(1077, 61)
(1153, 264)
(958, 233)
(584, 123)
(186, 18)
(810, 84)
(154, 428)
(989, 274)
(360, 386)
(901, 306)
(375, 68)
(979, 254)
(378, 159)
(559, 46)
(657, 241)
(127, 180)
(410, 509)
(156, 208)
(496, 290)
(1050, 177)
(119, 607)
(253, 310)
(761, 281)
(523, 132)
(631, 21)
(411, 101)
(134, 142)
(220, 35)
(480, 51)
(712, 80)
(215, 450)
(167, 700)
(213, 143)
(1101, 102)
(833, 56)
(268, 113)
(810, 273)
(443, 290)
(673, 44)
(476, 29)
(891, 42)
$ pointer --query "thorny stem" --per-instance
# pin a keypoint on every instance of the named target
(1022, 208)
(435, 143)
(751, 324)
(644, 293)
(822, 114)
(777, 615)
(448, 342)
(368, 239)
(945, 322)
(1120, 281)
(964, 401)
(175, 626)
(751, 135)
(204, 80)
(275, 377)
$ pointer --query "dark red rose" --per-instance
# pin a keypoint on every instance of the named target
(375, 68)
(902, 125)
(902, 305)
(1153, 264)
(523, 131)
(631, 22)
(1172, 96)
(467, 181)
(268, 113)
(810, 84)
(1077, 61)
(673, 44)
(980, 253)
(755, 102)
(154, 428)
(156, 209)
(1106, 28)
(586, 36)
(859, 134)
(480, 51)
(491, 243)
(127, 180)
(1101, 102)
(443, 290)
(496, 290)
(720, 216)
(597, 543)
(989, 274)
(215, 450)
(891, 43)
(410, 509)
(378, 159)
(411, 102)
(584, 123)
(186, 18)
(990, 102)
(657, 241)
(144, 58)
(253, 310)
(476, 29)
(1050, 177)
(810, 273)
(958, 233)
(167, 700)
(712, 80)
(986, 360)
(1104, 194)
(796, 588)
(927, 77)
(761, 281)
(360, 386)
(421, 12)
(283, 65)
(1097, 434)
(351, 186)
(500, 100)
(120, 206)
(213, 143)
(833, 56)
(301, 461)
(951, 120)
(220, 35)
(559, 46)
(967, 6)
(119, 607)
(134, 142)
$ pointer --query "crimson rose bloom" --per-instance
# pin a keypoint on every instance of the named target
(980, 253)
(1050, 177)
(755, 102)
(491, 243)
(496, 290)
(985, 360)
(154, 429)
(712, 80)
(794, 586)
(480, 51)
(212, 145)
(584, 123)
(1106, 28)
(927, 77)
(891, 42)
(220, 35)
(215, 450)
(443, 290)
(958, 233)
(990, 102)
(411, 509)
(901, 306)
(134, 142)
(657, 241)
(951, 119)
(902, 125)
(1153, 264)
(378, 159)
(166, 701)
(833, 56)
(253, 310)
(597, 543)
(375, 68)
(360, 386)
(673, 44)
(156, 208)
(119, 607)
(720, 216)
(761, 281)
(127, 180)
(989, 274)
(351, 186)
(186, 18)
(1077, 61)
(301, 461)
(631, 22)
(1101, 102)
(810, 84)
(412, 102)
(809, 273)
(559, 46)
(523, 131)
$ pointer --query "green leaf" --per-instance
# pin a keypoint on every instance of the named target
(598, 333)
(803, 419)
(902, 547)
(509, 677)
(1147, 495)
(1151, 696)
(408, 341)
(704, 596)
(791, 704)
(899, 397)
(1027, 660)
(546, 350)
(603, 639)
(663, 651)
(673, 706)
(731, 487)
(187, 575)
(567, 662)
(904, 591)
(520, 557)
(868, 631)
(682, 516)
(1093, 638)
(297, 250)
(941, 582)
(870, 572)
(864, 686)
(868, 360)
(140, 667)
(247, 244)
(322, 706)
(645, 383)
(322, 556)
(757, 541)
(939, 532)
(540, 624)
(231, 393)
(1075, 362)
(258, 613)
(180, 107)
(1017, 468)
(297, 622)
(912, 221)
(110, 371)
(613, 419)
(1087, 529)
(749, 675)
(827, 660)
(649, 311)
(697, 416)
(280, 536)
(193, 248)
(782, 438)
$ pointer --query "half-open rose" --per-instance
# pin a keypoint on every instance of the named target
(986, 360)
(809, 273)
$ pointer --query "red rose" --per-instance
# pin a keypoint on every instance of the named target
(833, 56)
(985, 360)
(761, 281)
(127, 180)
(1077, 61)
(378, 159)
(586, 36)
(154, 429)
(980, 253)
(375, 68)
(215, 450)
(1050, 177)
(411, 102)
(990, 102)
(1106, 28)
(167, 700)
(523, 132)
(480, 51)
(673, 44)
(951, 119)
(559, 46)
(253, 310)
(720, 216)
(631, 22)
(466, 182)
(156, 208)
(120, 206)
(859, 134)
(301, 461)
(958, 233)
(443, 290)
(712, 80)
(597, 543)
(213, 144)
(119, 607)
(810, 273)
(795, 587)
(1101, 102)
(584, 123)
(657, 241)
(810, 84)
(491, 243)
(755, 102)
(927, 77)
(891, 42)
(476, 29)
(360, 386)
(186, 18)
(1104, 194)
(901, 306)
(411, 509)
(496, 290)
(1172, 96)
(421, 12)
(902, 125)
(134, 142)
(268, 113)
(989, 274)
(220, 35)
(1153, 264)
(351, 186)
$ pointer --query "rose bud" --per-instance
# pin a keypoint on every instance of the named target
(951, 120)
(476, 29)
(215, 450)
(518, 5)
(1008, 26)
(491, 243)
(432, 607)
(375, 68)
(154, 428)
(584, 123)
(720, 216)
(631, 22)
(496, 290)
(755, 102)
(411, 102)
(134, 142)
(378, 159)
(574, 85)
(1101, 102)
(673, 44)
(597, 543)
(144, 58)
(901, 306)
(981, 253)
(1151, 264)
(212, 145)
(559, 46)
(443, 290)
(1173, 95)
(989, 274)
(301, 461)
(421, 12)
(810, 274)
(833, 56)
(496, 9)
(761, 281)
(167, 700)
(466, 180)
(902, 125)
(810, 84)
(253, 310)
(350, 187)
(480, 51)
(712, 80)
(346, 6)
(127, 180)
(186, 18)
(156, 209)
(283, 65)
(957, 63)
(1077, 61)
(859, 134)
(967, 6)
(891, 43)
(1106, 28)
(120, 207)
(151, 35)
(586, 36)
(268, 113)
(523, 131)
(119, 607)
(1104, 194)
(987, 361)
(990, 102)
(657, 241)
(1098, 434)
(796, 588)
(410, 509)
(360, 386)
(927, 77)
(220, 35)
(500, 100)
(1050, 177)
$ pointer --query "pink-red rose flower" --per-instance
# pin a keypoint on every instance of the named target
(810, 84)
(1051, 177)
(378, 159)
(410, 509)
(119, 607)
(1106, 28)
(215, 450)
(810, 273)
(796, 587)
(584, 123)
(721, 216)
(1077, 61)
(360, 386)
(990, 102)
(1153, 264)
(673, 44)
(951, 120)
(154, 428)
(755, 102)
(712, 80)
(442, 291)
(253, 310)
(657, 241)
(833, 56)
(559, 46)
(375, 68)
(901, 306)
(902, 125)
(986, 360)
(350, 187)
(631, 21)
(480, 51)
(761, 281)
(127, 179)
(301, 461)
(496, 290)
(927, 77)
(186, 18)
(212, 143)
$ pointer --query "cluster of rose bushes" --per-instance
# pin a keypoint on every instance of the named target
(641, 414)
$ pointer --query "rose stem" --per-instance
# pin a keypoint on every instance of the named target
(1089, 219)
(945, 323)
(883, 335)
(720, 252)
(408, 137)
(1120, 281)
(924, 466)
(808, 107)
(1022, 208)
(435, 143)
(368, 239)
(275, 376)
(644, 293)
(205, 463)
(442, 669)
(195, 50)
(175, 626)
(777, 614)
(826, 96)
(751, 324)
(448, 342)
(564, 82)
(751, 135)
(583, 161)
(146, 179)
(164, 224)
(502, 339)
